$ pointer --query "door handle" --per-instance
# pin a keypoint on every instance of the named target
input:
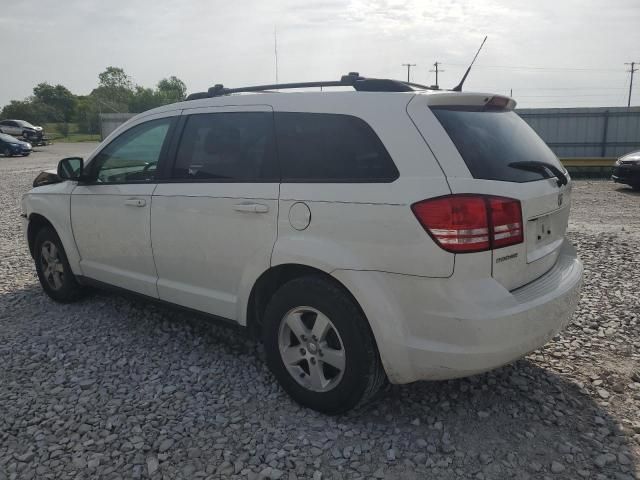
(135, 202)
(251, 207)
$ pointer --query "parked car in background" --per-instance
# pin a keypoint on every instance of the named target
(10, 146)
(20, 128)
(627, 170)
(392, 232)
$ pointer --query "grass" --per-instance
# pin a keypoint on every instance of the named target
(54, 133)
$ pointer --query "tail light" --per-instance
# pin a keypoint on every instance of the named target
(467, 223)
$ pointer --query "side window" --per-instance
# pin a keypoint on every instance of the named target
(319, 147)
(133, 156)
(232, 146)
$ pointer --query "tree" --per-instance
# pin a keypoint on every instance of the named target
(144, 99)
(115, 89)
(114, 78)
(30, 110)
(172, 89)
(87, 115)
(58, 97)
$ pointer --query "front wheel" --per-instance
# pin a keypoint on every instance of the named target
(52, 267)
(319, 346)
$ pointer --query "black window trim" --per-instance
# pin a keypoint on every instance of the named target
(167, 171)
(162, 158)
(164, 171)
(337, 180)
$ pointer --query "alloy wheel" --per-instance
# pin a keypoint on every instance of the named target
(311, 349)
(52, 266)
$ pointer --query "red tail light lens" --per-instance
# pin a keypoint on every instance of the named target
(506, 221)
(471, 223)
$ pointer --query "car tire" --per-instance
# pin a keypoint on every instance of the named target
(309, 306)
(52, 267)
(7, 152)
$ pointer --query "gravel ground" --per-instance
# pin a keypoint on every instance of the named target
(112, 387)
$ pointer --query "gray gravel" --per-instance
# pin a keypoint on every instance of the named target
(113, 387)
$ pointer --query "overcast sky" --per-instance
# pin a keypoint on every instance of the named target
(573, 50)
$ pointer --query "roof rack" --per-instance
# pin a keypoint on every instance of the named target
(353, 79)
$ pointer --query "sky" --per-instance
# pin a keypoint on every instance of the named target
(551, 53)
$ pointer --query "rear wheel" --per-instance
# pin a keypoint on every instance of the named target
(319, 346)
(53, 268)
(7, 152)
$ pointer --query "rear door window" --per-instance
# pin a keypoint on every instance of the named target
(488, 141)
(319, 147)
(227, 146)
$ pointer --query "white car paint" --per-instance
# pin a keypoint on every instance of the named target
(434, 314)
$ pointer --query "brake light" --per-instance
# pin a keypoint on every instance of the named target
(467, 223)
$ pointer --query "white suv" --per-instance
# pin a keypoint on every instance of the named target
(391, 232)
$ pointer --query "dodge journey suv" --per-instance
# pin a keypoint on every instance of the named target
(391, 232)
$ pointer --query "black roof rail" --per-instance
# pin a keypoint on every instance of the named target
(353, 79)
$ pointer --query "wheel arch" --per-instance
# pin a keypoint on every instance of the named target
(272, 279)
(36, 223)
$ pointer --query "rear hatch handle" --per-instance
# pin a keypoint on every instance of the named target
(544, 168)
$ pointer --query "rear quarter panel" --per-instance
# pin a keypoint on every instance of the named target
(366, 226)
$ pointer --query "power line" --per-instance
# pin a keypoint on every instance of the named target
(631, 70)
(512, 67)
(570, 96)
(408, 65)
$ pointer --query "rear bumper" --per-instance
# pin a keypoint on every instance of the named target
(428, 329)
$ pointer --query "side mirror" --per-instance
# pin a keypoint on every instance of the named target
(70, 168)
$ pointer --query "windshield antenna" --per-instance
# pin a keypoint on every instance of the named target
(458, 88)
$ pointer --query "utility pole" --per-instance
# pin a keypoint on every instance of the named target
(408, 65)
(436, 71)
(631, 71)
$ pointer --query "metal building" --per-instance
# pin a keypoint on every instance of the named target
(586, 132)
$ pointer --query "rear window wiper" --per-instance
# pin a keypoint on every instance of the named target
(544, 168)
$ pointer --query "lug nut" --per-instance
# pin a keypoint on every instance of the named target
(303, 338)
(303, 351)
(313, 360)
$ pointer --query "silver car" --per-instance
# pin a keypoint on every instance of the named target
(20, 128)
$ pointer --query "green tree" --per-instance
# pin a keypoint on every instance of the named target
(30, 110)
(58, 97)
(172, 89)
(144, 99)
(114, 78)
(87, 115)
(115, 89)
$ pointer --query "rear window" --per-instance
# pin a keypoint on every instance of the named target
(319, 147)
(489, 141)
